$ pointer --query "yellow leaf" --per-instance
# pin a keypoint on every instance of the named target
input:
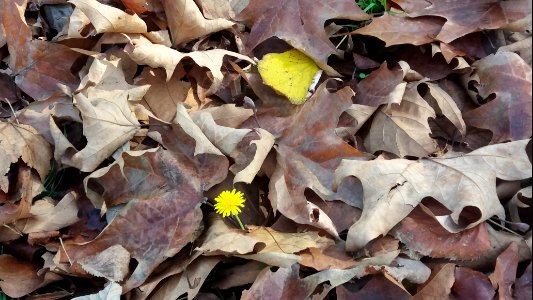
(290, 73)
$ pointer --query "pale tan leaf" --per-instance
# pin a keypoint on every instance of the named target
(106, 18)
(443, 104)
(159, 56)
(187, 23)
(112, 263)
(403, 129)
(47, 216)
(189, 281)
(162, 96)
(22, 141)
(260, 243)
(463, 183)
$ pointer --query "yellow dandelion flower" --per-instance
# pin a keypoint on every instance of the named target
(229, 203)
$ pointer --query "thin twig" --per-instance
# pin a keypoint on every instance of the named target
(64, 249)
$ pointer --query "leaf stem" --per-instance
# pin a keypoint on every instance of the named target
(240, 223)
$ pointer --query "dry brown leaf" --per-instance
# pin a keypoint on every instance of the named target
(304, 32)
(27, 187)
(439, 285)
(504, 275)
(159, 56)
(332, 257)
(463, 183)
(111, 263)
(187, 23)
(22, 141)
(163, 96)
(19, 278)
(463, 16)
(470, 284)
(379, 287)
(403, 129)
(154, 223)
(239, 275)
(39, 67)
(506, 76)
(308, 151)
(421, 232)
(445, 105)
(49, 216)
(397, 29)
(286, 281)
(111, 291)
(189, 281)
(227, 9)
(227, 139)
(106, 18)
(260, 243)
(108, 122)
(382, 86)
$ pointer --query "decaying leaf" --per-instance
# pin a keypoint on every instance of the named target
(106, 18)
(305, 32)
(22, 141)
(463, 183)
(506, 77)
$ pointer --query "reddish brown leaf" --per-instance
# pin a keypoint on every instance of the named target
(470, 284)
(439, 284)
(397, 29)
(162, 191)
(285, 283)
(504, 274)
(506, 76)
(39, 66)
(19, 278)
(522, 290)
(308, 152)
(421, 232)
(300, 23)
(379, 287)
(382, 86)
(467, 16)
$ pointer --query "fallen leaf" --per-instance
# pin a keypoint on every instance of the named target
(189, 281)
(260, 243)
(439, 285)
(48, 216)
(308, 151)
(393, 188)
(462, 17)
(397, 29)
(110, 292)
(522, 288)
(108, 122)
(382, 86)
(106, 18)
(305, 32)
(470, 284)
(506, 76)
(159, 56)
(504, 275)
(187, 23)
(162, 96)
(420, 231)
(286, 281)
(379, 287)
(181, 177)
(22, 141)
(39, 67)
(19, 278)
(403, 129)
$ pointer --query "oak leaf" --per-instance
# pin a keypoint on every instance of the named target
(463, 183)
(106, 18)
(300, 23)
(507, 77)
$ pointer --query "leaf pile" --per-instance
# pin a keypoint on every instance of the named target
(406, 174)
